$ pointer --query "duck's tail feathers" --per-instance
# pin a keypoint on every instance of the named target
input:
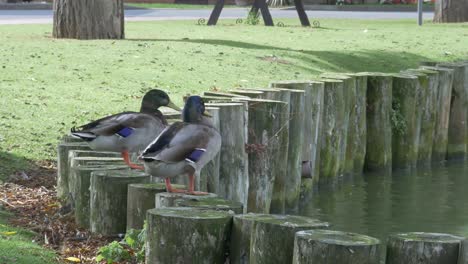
(87, 136)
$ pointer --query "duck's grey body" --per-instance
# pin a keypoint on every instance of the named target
(170, 154)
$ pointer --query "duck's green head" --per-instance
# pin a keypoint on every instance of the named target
(194, 109)
(156, 98)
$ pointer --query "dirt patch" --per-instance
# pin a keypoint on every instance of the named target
(274, 59)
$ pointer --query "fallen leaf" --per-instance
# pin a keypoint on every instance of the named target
(10, 233)
(73, 259)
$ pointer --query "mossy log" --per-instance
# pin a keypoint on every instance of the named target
(458, 127)
(429, 83)
(463, 254)
(443, 98)
(239, 246)
(79, 184)
(233, 170)
(140, 198)
(63, 166)
(427, 248)
(209, 175)
(267, 149)
(405, 121)
(332, 130)
(272, 238)
(346, 159)
(108, 199)
(221, 94)
(313, 109)
(248, 93)
(268, 93)
(327, 246)
(357, 143)
(379, 128)
(291, 181)
(165, 199)
(187, 235)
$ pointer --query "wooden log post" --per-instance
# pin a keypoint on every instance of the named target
(313, 109)
(267, 149)
(233, 160)
(239, 246)
(164, 199)
(327, 246)
(358, 129)
(404, 121)
(346, 153)
(428, 83)
(443, 99)
(379, 129)
(457, 132)
(108, 199)
(79, 184)
(247, 93)
(272, 238)
(187, 235)
(418, 247)
(332, 130)
(209, 175)
(463, 254)
(63, 168)
(71, 139)
(140, 199)
(291, 181)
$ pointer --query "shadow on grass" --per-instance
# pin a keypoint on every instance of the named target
(319, 60)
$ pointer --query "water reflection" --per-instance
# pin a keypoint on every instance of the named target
(424, 200)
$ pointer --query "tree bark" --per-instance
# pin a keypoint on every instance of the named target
(209, 175)
(88, 19)
(140, 199)
(63, 165)
(449, 11)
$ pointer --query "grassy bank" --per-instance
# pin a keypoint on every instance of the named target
(16, 245)
(49, 85)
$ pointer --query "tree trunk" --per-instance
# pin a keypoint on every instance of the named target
(140, 198)
(326, 246)
(165, 199)
(63, 165)
(359, 124)
(429, 248)
(446, 11)
(88, 19)
(209, 175)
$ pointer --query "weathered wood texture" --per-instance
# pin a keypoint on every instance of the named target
(140, 198)
(404, 121)
(457, 132)
(79, 184)
(291, 183)
(267, 150)
(449, 11)
(358, 127)
(239, 246)
(331, 247)
(379, 132)
(429, 83)
(108, 199)
(272, 238)
(210, 201)
(346, 160)
(187, 235)
(332, 130)
(88, 19)
(233, 170)
(443, 99)
(427, 248)
(463, 252)
(63, 166)
(209, 175)
(313, 109)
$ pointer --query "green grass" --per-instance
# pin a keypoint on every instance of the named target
(49, 85)
(19, 248)
(177, 6)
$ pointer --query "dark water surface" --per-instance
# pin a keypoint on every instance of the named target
(423, 200)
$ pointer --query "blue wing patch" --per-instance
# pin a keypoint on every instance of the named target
(195, 155)
(125, 132)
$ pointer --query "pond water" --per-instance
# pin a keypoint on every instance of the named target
(423, 200)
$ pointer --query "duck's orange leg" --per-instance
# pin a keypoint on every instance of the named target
(191, 189)
(172, 190)
(129, 163)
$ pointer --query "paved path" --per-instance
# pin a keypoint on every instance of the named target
(45, 16)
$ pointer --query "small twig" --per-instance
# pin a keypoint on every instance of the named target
(7, 203)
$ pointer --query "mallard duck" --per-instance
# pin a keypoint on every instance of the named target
(128, 131)
(183, 148)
